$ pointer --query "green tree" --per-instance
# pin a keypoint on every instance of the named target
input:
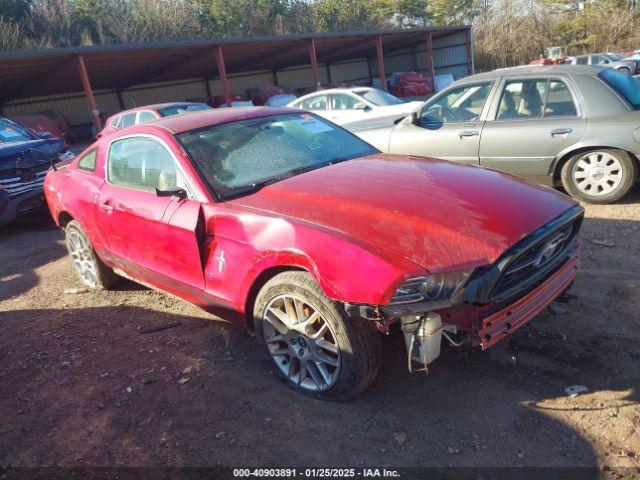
(342, 15)
(452, 12)
(413, 13)
(92, 16)
(244, 17)
(14, 10)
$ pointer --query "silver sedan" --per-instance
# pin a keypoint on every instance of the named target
(569, 125)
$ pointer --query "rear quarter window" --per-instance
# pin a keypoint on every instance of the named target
(88, 161)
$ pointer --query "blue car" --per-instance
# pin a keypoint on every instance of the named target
(25, 159)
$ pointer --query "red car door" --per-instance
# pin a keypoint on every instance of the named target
(153, 238)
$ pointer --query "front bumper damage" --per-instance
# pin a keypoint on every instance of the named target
(498, 325)
(493, 305)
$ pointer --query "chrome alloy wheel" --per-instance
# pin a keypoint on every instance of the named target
(301, 342)
(597, 173)
(82, 256)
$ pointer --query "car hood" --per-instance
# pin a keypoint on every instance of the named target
(29, 154)
(438, 214)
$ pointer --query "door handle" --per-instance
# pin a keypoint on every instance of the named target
(468, 133)
(106, 207)
(561, 131)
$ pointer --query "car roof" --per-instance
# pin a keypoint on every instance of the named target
(591, 70)
(338, 90)
(158, 106)
(177, 124)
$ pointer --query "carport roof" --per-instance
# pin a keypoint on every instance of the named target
(55, 71)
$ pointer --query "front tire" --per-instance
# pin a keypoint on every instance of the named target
(315, 348)
(92, 271)
(599, 176)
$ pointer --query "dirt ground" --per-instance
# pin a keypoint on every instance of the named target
(83, 381)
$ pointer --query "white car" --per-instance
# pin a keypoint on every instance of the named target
(356, 108)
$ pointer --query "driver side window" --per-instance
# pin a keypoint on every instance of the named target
(462, 104)
(141, 163)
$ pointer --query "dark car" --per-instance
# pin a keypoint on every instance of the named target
(25, 159)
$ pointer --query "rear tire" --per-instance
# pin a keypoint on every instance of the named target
(601, 175)
(92, 271)
(314, 347)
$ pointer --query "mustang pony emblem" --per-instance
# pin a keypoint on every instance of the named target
(549, 250)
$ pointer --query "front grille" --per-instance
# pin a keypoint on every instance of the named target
(535, 259)
(23, 180)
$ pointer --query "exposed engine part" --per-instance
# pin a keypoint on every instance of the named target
(465, 338)
(368, 312)
(422, 336)
(450, 327)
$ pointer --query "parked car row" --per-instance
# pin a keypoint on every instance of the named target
(560, 126)
(274, 216)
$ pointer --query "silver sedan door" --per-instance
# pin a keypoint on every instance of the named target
(448, 126)
(531, 122)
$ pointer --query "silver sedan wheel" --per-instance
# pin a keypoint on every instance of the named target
(301, 342)
(597, 173)
(82, 257)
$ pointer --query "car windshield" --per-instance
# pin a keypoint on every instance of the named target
(613, 57)
(626, 86)
(12, 132)
(180, 109)
(378, 97)
(240, 157)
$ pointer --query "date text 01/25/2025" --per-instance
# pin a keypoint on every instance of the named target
(315, 473)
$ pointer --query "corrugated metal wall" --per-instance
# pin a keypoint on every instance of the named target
(164, 93)
(450, 56)
(73, 106)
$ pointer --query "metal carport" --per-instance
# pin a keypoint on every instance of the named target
(25, 75)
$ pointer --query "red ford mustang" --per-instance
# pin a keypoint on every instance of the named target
(315, 239)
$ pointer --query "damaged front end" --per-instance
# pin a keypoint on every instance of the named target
(23, 167)
(481, 307)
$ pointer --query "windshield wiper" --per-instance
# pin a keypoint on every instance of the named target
(252, 187)
(255, 186)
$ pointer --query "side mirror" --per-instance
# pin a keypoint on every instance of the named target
(411, 119)
(360, 106)
(172, 192)
(43, 135)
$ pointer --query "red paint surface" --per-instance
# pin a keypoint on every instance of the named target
(437, 214)
(360, 227)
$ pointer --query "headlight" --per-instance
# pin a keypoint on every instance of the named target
(440, 288)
